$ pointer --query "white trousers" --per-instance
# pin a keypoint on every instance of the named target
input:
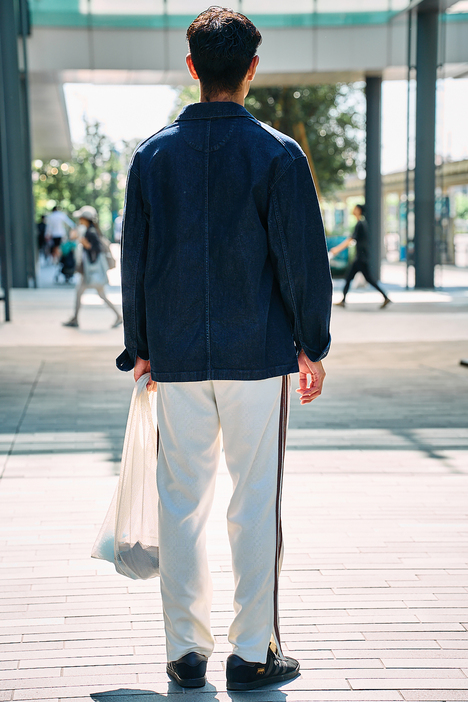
(252, 416)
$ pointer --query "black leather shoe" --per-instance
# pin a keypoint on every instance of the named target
(189, 671)
(242, 675)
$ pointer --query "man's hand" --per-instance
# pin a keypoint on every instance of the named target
(309, 392)
(142, 367)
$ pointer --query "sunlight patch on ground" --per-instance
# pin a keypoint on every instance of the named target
(92, 298)
(408, 296)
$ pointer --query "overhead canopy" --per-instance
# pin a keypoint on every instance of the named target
(50, 132)
(143, 42)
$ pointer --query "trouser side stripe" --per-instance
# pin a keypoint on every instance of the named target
(283, 423)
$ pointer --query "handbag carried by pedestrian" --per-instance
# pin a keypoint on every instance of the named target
(106, 250)
(95, 272)
(129, 535)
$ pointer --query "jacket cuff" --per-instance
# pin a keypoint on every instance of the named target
(126, 361)
(313, 355)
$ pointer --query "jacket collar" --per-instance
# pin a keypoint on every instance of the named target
(208, 110)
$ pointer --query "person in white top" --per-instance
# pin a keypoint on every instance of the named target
(56, 230)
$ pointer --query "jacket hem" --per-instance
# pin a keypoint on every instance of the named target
(224, 374)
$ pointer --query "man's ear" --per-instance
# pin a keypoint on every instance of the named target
(253, 68)
(191, 67)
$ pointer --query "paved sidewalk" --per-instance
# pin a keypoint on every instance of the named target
(374, 589)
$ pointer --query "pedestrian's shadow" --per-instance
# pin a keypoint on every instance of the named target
(175, 694)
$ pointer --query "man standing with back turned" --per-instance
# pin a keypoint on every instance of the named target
(226, 291)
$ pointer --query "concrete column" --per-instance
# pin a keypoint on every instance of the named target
(30, 224)
(15, 159)
(5, 233)
(424, 173)
(373, 188)
(5, 242)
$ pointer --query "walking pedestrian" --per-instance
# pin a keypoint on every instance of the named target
(94, 265)
(360, 237)
(226, 292)
(56, 230)
(41, 236)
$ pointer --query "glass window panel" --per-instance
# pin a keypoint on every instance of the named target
(360, 5)
(122, 7)
(461, 6)
(270, 7)
(191, 7)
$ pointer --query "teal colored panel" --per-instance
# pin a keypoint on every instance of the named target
(61, 7)
(65, 13)
(455, 17)
(70, 16)
(57, 13)
(322, 19)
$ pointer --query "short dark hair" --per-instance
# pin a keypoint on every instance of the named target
(222, 45)
(362, 208)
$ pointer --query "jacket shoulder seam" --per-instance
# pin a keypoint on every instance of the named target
(142, 143)
(277, 138)
(285, 169)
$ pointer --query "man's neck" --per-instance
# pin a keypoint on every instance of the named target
(224, 97)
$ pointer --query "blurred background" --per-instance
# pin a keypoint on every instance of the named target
(375, 91)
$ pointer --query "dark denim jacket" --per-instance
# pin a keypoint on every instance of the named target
(225, 270)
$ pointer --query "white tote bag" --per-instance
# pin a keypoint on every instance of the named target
(129, 535)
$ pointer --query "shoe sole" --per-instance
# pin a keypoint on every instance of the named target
(187, 682)
(261, 683)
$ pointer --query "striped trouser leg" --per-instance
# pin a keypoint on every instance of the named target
(254, 423)
(253, 418)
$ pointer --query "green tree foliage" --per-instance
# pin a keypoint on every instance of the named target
(95, 175)
(185, 96)
(332, 120)
(461, 205)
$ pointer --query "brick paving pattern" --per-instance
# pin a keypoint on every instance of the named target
(374, 588)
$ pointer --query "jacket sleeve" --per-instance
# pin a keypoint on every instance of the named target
(300, 258)
(133, 264)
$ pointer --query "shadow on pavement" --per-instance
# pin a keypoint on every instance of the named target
(209, 692)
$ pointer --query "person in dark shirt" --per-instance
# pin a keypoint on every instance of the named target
(41, 230)
(360, 237)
